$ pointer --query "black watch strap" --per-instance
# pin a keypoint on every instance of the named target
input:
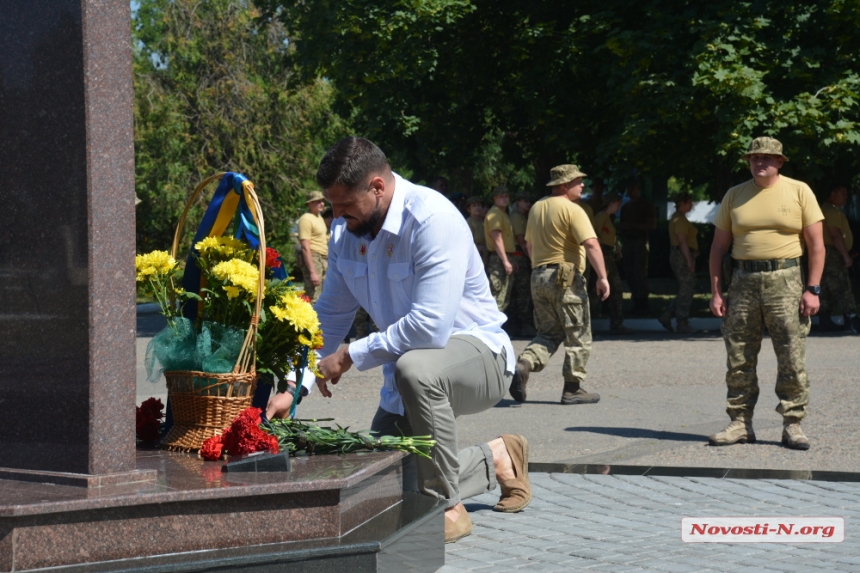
(814, 289)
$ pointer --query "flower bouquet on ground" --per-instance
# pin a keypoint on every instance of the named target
(249, 433)
(235, 320)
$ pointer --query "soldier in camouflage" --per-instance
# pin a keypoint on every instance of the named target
(557, 229)
(837, 296)
(499, 236)
(766, 221)
(606, 235)
(682, 257)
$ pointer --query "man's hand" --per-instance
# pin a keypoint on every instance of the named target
(279, 404)
(332, 367)
(809, 304)
(718, 305)
(848, 261)
(315, 279)
(509, 268)
(602, 287)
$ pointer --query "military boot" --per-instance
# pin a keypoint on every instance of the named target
(792, 435)
(573, 394)
(520, 380)
(740, 431)
(684, 327)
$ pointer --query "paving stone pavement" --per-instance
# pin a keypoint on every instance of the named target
(626, 523)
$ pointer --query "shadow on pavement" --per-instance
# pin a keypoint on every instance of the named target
(640, 433)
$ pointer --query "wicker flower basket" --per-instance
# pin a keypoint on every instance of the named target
(204, 403)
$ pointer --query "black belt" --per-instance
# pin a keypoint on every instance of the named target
(550, 266)
(766, 266)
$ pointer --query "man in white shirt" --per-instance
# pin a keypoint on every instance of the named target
(397, 250)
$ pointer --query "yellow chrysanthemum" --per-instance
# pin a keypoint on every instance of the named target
(232, 291)
(223, 246)
(154, 264)
(299, 312)
(238, 273)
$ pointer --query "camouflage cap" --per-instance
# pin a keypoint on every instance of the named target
(608, 198)
(474, 199)
(314, 196)
(764, 146)
(561, 174)
(500, 190)
(523, 196)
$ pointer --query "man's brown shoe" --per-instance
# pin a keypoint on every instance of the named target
(793, 437)
(456, 530)
(519, 381)
(738, 432)
(516, 492)
(573, 394)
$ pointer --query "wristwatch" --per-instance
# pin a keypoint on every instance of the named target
(814, 289)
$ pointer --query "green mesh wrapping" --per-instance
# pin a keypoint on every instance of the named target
(179, 347)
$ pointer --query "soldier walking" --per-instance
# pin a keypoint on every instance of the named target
(638, 219)
(607, 237)
(767, 220)
(556, 229)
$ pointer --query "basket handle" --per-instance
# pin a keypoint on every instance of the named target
(247, 355)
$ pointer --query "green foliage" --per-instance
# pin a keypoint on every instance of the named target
(656, 88)
(214, 91)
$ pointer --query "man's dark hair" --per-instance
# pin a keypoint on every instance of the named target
(682, 197)
(350, 162)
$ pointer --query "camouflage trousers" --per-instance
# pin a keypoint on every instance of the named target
(635, 252)
(680, 306)
(837, 296)
(561, 315)
(321, 266)
(521, 308)
(757, 300)
(500, 281)
(616, 291)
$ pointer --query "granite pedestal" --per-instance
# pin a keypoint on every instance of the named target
(328, 513)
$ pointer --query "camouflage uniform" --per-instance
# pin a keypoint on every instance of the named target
(680, 306)
(561, 315)
(771, 300)
(837, 296)
(616, 291)
(321, 264)
(500, 281)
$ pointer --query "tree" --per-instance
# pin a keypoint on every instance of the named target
(657, 88)
(214, 91)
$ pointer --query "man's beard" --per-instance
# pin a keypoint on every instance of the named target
(368, 225)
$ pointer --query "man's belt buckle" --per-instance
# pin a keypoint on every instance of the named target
(768, 266)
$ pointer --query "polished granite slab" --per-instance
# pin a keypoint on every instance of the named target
(193, 506)
(680, 471)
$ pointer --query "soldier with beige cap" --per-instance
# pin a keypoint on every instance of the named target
(767, 221)
(313, 240)
(556, 228)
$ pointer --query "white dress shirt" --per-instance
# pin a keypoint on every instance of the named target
(421, 280)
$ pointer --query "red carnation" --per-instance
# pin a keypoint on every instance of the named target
(244, 435)
(212, 448)
(148, 420)
(273, 258)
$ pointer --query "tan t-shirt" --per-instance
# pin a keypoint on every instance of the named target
(605, 229)
(477, 228)
(557, 227)
(679, 225)
(767, 223)
(498, 220)
(518, 223)
(833, 217)
(312, 228)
